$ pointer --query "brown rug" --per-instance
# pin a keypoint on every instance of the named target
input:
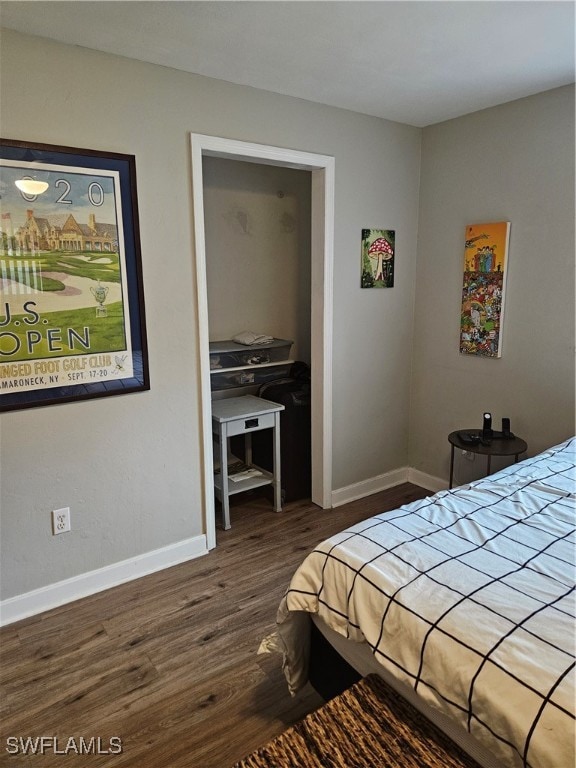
(367, 726)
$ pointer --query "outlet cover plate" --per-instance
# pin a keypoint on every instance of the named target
(60, 520)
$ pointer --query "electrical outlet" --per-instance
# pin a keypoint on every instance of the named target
(60, 520)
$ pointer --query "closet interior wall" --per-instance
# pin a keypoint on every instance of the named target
(258, 225)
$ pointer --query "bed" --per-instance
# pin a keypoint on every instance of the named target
(464, 601)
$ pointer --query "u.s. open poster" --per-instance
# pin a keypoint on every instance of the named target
(484, 288)
(69, 286)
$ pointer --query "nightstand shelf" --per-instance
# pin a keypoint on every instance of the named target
(246, 484)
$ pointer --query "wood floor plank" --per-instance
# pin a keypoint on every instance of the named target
(56, 651)
(86, 689)
(169, 663)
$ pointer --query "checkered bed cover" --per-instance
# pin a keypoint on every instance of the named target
(468, 596)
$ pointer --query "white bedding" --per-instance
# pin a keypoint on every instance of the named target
(466, 596)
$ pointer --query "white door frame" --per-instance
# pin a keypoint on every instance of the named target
(322, 169)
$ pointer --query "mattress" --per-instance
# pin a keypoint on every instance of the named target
(361, 658)
(467, 599)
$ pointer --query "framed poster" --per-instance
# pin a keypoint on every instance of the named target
(377, 254)
(72, 322)
(484, 288)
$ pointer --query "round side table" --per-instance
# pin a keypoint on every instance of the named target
(499, 446)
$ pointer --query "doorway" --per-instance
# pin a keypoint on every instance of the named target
(322, 226)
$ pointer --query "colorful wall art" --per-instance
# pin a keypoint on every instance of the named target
(378, 250)
(483, 291)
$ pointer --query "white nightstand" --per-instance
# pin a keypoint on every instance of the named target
(242, 416)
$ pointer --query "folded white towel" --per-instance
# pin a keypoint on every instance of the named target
(248, 338)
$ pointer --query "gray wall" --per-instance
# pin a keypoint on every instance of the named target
(511, 163)
(129, 466)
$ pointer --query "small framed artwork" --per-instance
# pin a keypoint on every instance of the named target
(484, 288)
(72, 322)
(377, 254)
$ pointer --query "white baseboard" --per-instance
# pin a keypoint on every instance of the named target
(53, 595)
(385, 481)
(429, 482)
(368, 487)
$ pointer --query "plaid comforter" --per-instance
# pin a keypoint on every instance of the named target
(467, 596)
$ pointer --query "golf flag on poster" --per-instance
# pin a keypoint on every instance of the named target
(484, 287)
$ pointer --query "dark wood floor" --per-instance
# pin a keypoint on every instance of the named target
(169, 663)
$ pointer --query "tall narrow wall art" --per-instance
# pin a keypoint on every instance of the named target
(484, 287)
(378, 251)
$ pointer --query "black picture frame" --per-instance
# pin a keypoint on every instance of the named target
(72, 318)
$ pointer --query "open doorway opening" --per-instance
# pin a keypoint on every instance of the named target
(258, 240)
(321, 260)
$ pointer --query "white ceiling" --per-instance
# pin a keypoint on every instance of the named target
(414, 61)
